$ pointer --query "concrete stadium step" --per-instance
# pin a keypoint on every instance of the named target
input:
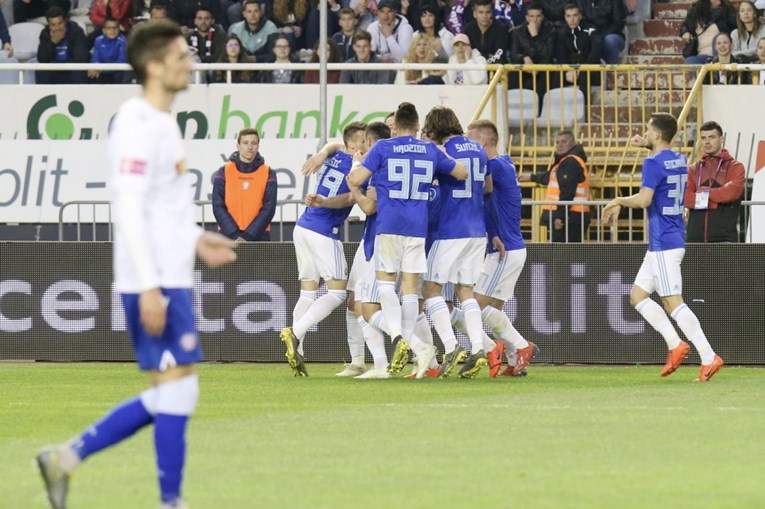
(657, 46)
(654, 100)
(674, 10)
(599, 134)
(662, 27)
(655, 79)
(625, 115)
(654, 59)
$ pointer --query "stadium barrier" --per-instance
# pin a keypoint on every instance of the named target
(57, 303)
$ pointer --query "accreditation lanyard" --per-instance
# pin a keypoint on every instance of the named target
(702, 197)
(714, 177)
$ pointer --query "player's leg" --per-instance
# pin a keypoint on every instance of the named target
(389, 251)
(670, 293)
(646, 282)
(474, 327)
(355, 337)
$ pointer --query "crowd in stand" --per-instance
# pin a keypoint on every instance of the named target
(384, 31)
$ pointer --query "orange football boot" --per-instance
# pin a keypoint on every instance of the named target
(708, 370)
(675, 357)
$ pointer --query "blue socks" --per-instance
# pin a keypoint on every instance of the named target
(122, 422)
(170, 444)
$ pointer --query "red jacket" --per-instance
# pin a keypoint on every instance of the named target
(723, 177)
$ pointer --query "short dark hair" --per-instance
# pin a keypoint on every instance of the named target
(483, 3)
(379, 130)
(55, 12)
(486, 126)
(535, 6)
(711, 126)
(251, 2)
(205, 8)
(154, 5)
(406, 117)
(571, 6)
(362, 35)
(109, 19)
(347, 10)
(666, 124)
(351, 130)
(440, 123)
(149, 42)
(247, 131)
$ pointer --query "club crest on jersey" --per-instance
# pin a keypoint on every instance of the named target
(188, 341)
(245, 185)
(180, 167)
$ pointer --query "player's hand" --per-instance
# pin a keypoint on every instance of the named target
(558, 224)
(314, 200)
(152, 306)
(611, 212)
(497, 243)
(313, 163)
(215, 250)
(358, 156)
(524, 177)
(9, 49)
(639, 141)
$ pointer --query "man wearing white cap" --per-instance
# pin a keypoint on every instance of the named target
(464, 54)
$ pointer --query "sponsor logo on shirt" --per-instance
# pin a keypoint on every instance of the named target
(133, 167)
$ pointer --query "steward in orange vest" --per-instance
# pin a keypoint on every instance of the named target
(244, 197)
(567, 180)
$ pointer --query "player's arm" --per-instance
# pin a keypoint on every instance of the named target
(640, 200)
(335, 202)
(488, 184)
(314, 163)
(367, 202)
(359, 174)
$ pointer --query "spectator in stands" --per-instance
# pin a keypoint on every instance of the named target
(554, 11)
(705, 19)
(244, 192)
(391, 33)
(313, 23)
(420, 52)
(255, 32)
(61, 42)
(723, 49)
(185, 11)
(281, 55)
(486, 34)
(460, 14)
(25, 10)
(344, 38)
(5, 36)
(430, 26)
(576, 45)
(750, 29)
(333, 57)
(533, 43)
(157, 11)
(714, 191)
(608, 17)
(290, 17)
(758, 77)
(234, 54)
(366, 12)
(464, 54)
(207, 38)
(410, 9)
(121, 10)
(109, 48)
(566, 180)
(362, 45)
(511, 13)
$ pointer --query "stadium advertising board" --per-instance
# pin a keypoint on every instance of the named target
(220, 111)
(57, 303)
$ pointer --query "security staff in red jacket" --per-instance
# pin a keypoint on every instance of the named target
(714, 192)
(244, 192)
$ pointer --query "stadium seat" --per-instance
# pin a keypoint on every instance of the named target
(521, 102)
(80, 8)
(8, 77)
(562, 106)
(29, 76)
(26, 38)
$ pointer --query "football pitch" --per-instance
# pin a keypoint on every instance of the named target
(563, 437)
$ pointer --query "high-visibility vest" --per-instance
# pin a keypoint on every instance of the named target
(245, 193)
(582, 188)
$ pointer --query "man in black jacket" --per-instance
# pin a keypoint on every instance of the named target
(486, 34)
(576, 45)
(608, 17)
(61, 42)
(566, 180)
(533, 43)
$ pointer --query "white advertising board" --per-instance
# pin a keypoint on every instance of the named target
(220, 111)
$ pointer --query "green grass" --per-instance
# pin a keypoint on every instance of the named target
(564, 437)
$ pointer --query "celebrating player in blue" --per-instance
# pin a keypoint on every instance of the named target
(665, 173)
(318, 247)
(459, 242)
(156, 239)
(403, 169)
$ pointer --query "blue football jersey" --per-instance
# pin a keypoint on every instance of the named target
(331, 182)
(503, 206)
(461, 214)
(665, 172)
(434, 214)
(403, 168)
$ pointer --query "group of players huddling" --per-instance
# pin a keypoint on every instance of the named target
(431, 203)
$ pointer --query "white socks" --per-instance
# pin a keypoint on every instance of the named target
(691, 327)
(410, 306)
(391, 306)
(318, 311)
(473, 325)
(657, 318)
(355, 339)
(304, 302)
(375, 342)
(502, 328)
(439, 314)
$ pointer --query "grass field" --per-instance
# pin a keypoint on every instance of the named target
(564, 437)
